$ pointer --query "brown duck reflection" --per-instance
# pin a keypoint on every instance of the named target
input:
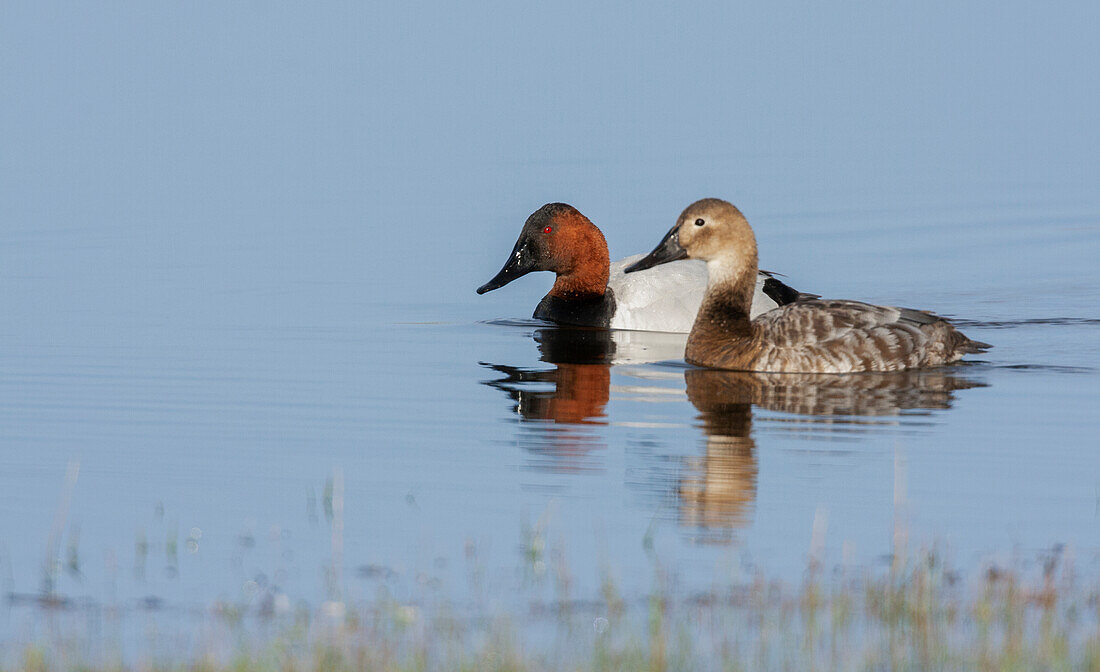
(577, 396)
(718, 489)
(580, 380)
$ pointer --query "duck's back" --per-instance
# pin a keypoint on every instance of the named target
(847, 336)
(667, 298)
(661, 299)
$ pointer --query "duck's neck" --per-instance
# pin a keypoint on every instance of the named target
(585, 275)
(730, 286)
(723, 320)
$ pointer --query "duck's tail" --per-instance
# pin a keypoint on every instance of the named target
(971, 346)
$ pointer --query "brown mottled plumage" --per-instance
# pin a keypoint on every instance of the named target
(812, 336)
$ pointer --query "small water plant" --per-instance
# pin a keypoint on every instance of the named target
(919, 614)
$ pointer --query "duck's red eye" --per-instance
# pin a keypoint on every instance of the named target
(548, 229)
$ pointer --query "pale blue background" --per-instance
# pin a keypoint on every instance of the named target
(217, 219)
(388, 151)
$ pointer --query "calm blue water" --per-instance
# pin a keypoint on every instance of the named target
(239, 247)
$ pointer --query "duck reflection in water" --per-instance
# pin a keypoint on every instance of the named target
(564, 411)
(717, 490)
(580, 379)
(579, 388)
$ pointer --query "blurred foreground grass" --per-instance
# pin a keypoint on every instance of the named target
(918, 615)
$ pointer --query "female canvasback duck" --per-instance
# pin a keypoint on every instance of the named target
(589, 291)
(811, 336)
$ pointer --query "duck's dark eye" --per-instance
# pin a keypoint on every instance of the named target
(699, 222)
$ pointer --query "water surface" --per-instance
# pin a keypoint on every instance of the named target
(242, 361)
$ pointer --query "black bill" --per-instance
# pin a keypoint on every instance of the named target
(667, 250)
(520, 263)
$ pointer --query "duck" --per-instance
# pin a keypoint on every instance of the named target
(591, 291)
(805, 336)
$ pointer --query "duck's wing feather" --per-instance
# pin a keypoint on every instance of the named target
(779, 292)
(771, 292)
(842, 336)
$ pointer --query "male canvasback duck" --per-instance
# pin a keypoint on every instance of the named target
(811, 336)
(589, 291)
